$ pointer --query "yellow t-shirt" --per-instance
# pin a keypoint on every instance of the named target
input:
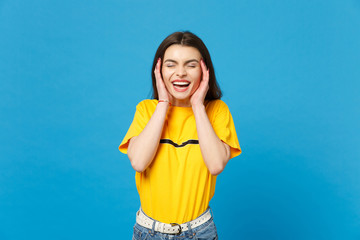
(177, 186)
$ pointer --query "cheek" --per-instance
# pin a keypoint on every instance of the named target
(197, 77)
(166, 73)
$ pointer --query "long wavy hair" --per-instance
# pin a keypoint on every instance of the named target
(191, 40)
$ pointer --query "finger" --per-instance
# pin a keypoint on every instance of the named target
(204, 84)
(160, 85)
(203, 66)
(206, 74)
(157, 70)
(204, 70)
(159, 64)
(156, 66)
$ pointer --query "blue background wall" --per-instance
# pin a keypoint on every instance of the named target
(72, 73)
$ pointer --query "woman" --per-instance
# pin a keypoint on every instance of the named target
(179, 142)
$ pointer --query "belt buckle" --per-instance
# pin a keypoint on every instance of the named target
(176, 224)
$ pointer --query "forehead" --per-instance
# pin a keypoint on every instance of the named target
(179, 52)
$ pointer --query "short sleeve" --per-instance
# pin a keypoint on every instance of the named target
(139, 122)
(224, 127)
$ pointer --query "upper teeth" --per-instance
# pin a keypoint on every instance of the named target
(181, 83)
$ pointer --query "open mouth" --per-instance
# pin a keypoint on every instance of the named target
(181, 85)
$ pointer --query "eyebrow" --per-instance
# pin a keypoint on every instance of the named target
(188, 61)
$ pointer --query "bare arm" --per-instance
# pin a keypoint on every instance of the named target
(215, 153)
(142, 148)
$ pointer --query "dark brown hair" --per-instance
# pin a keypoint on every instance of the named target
(191, 40)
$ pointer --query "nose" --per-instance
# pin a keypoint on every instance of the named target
(180, 71)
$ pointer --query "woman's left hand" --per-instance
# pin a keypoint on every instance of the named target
(199, 95)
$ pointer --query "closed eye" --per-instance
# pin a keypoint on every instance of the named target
(193, 63)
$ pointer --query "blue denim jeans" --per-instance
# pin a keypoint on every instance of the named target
(206, 231)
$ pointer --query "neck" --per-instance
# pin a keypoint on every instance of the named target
(181, 102)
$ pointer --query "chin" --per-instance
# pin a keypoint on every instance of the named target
(181, 98)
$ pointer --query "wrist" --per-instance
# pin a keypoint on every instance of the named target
(198, 107)
(163, 106)
(164, 101)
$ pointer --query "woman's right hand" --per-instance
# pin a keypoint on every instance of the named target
(163, 94)
(142, 148)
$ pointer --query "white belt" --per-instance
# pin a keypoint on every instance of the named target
(172, 228)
